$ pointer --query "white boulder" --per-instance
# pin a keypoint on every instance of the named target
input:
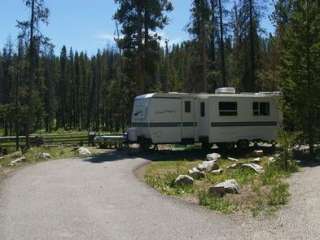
(183, 180)
(84, 152)
(217, 172)
(228, 186)
(271, 159)
(301, 148)
(44, 156)
(232, 166)
(258, 159)
(208, 166)
(258, 153)
(255, 167)
(233, 159)
(213, 156)
(16, 161)
(196, 174)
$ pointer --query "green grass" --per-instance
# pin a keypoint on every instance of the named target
(259, 192)
(32, 155)
(60, 136)
(62, 132)
(216, 203)
(279, 194)
(161, 176)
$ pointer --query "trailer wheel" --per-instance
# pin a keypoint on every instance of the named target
(243, 145)
(226, 147)
(206, 146)
(144, 145)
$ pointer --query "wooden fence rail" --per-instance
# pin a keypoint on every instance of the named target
(46, 140)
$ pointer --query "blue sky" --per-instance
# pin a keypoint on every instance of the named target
(87, 25)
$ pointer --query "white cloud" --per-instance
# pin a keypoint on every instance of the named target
(106, 37)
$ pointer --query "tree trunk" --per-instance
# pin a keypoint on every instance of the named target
(31, 71)
(310, 118)
(252, 86)
(140, 58)
(17, 135)
(222, 55)
(213, 34)
(203, 54)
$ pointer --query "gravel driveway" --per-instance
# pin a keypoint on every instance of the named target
(102, 199)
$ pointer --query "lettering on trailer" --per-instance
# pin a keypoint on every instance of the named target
(165, 111)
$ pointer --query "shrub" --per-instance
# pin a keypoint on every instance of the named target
(279, 194)
(215, 203)
(286, 141)
(243, 175)
(165, 184)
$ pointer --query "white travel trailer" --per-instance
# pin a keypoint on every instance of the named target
(221, 118)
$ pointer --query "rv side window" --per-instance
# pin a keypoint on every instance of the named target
(261, 108)
(202, 109)
(228, 108)
(187, 106)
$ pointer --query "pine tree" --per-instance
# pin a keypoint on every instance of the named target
(222, 48)
(246, 26)
(300, 66)
(140, 21)
(199, 28)
(62, 88)
(6, 81)
(50, 76)
(34, 39)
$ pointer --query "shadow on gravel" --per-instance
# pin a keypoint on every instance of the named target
(168, 154)
(171, 155)
(162, 155)
(306, 160)
(109, 157)
(309, 163)
(198, 154)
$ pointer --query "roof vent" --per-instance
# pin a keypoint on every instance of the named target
(226, 90)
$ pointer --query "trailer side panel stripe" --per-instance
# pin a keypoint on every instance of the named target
(243, 124)
(165, 124)
(213, 124)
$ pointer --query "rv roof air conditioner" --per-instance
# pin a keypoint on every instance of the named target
(225, 90)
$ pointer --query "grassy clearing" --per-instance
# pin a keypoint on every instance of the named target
(71, 137)
(32, 155)
(216, 203)
(260, 193)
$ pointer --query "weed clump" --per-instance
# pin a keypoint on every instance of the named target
(215, 203)
(279, 194)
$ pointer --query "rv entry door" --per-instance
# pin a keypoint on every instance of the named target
(188, 123)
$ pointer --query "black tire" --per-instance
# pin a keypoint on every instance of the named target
(144, 145)
(226, 147)
(206, 146)
(243, 145)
